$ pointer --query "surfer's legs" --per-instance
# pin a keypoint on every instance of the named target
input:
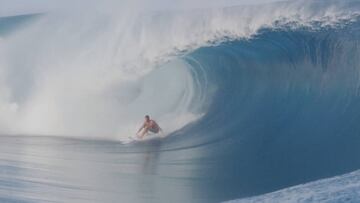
(144, 132)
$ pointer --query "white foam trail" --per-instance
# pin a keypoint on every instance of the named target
(96, 72)
(344, 188)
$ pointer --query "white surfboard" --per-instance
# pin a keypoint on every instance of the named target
(149, 136)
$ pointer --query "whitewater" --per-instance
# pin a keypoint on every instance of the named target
(252, 98)
(343, 188)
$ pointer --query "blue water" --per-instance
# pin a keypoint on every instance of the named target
(343, 188)
(12, 23)
(284, 110)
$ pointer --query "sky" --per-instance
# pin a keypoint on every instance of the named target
(16, 7)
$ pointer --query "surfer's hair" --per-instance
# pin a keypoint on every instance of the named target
(147, 116)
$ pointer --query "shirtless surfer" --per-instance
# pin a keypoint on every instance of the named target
(149, 125)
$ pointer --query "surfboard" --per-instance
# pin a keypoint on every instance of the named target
(134, 138)
(149, 136)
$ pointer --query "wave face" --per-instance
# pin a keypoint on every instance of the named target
(285, 111)
(284, 82)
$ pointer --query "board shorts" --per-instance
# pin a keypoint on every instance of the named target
(154, 130)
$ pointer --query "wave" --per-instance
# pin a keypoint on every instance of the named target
(96, 75)
(266, 95)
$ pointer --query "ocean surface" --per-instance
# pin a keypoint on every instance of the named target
(343, 188)
(252, 99)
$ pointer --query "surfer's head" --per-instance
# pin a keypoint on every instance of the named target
(147, 117)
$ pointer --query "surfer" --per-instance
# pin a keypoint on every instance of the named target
(149, 125)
